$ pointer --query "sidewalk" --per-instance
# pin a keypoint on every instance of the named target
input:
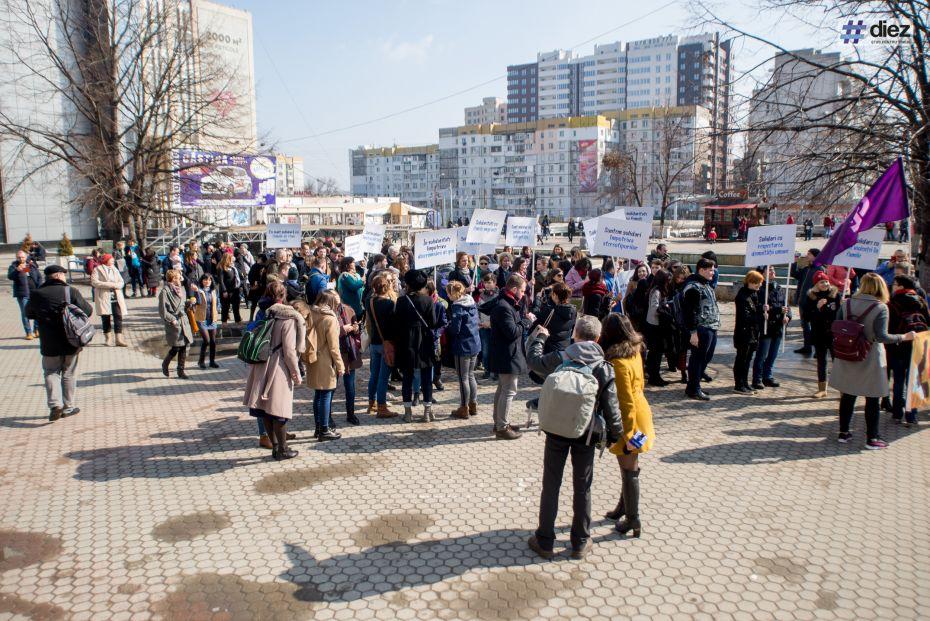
(155, 502)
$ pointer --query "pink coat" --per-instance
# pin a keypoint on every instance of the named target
(574, 281)
(836, 274)
(270, 386)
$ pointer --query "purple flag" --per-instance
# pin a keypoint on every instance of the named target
(886, 201)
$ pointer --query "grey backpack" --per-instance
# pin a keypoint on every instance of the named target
(568, 399)
(78, 329)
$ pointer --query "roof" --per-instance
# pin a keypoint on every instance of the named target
(736, 206)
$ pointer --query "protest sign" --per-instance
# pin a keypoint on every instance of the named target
(639, 214)
(619, 237)
(864, 253)
(485, 226)
(918, 377)
(282, 235)
(520, 231)
(374, 237)
(770, 245)
(590, 226)
(434, 248)
(475, 250)
(354, 246)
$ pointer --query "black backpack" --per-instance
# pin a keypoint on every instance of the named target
(78, 328)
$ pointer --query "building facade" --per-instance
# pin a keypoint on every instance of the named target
(522, 93)
(289, 174)
(491, 110)
(410, 173)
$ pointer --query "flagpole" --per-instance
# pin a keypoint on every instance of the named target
(765, 313)
(788, 307)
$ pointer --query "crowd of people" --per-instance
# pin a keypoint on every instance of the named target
(316, 314)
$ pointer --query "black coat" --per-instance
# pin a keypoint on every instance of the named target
(45, 306)
(151, 271)
(24, 283)
(747, 328)
(560, 326)
(507, 353)
(900, 307)
(821, 319)
(414, 343)
(382, 310)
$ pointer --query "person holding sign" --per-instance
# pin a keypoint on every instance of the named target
(774, 317)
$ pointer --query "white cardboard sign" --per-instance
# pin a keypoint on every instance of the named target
(485, 226)
(354, 246)
(475, 250)
(374, 237)
(434, 248)
(639, 214)
(282, 235)
(619, 237)
(521, 231)
(770, 245)
(590, 226)
(864, 254)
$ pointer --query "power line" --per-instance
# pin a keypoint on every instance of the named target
(471, 88)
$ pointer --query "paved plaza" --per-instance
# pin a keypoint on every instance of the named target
(155, 502)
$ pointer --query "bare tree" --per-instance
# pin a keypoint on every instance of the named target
(138, 82)
(322, 186)
(880, 111)
(624, 186)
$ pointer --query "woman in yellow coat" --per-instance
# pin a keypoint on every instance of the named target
(622, 347)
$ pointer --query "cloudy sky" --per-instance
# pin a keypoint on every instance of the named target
(323, 66)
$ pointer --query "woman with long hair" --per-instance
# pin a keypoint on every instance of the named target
(269, 389)
(578, 275)
(324, 361)
(820, 306)
(868, 377)
(462, 272)
(381, 327)
(172, 309)
(463, 339)
(206, 315)
(229, 287)
(659, 293)
(622, 347)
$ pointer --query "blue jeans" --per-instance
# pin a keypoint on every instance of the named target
(322, 407)
(261, 426)
(764, 363)
(348, 381)
(28, 326)
(485, 335)
(700, 358)
(380, 374)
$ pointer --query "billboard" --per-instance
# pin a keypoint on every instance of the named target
(210, 179)
(587, 165)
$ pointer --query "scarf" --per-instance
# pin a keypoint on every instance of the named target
(177, 289)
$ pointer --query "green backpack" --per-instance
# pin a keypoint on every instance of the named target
(255, 346)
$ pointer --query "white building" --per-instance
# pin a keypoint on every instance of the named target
(289, 172)
(491, 110)
(411, 173)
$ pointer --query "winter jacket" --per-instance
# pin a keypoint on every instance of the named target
(270, 385)
(462, 330)
(346, 317)
(151, 272)
(902, 305)
(45, 306)
(700, 304)
(559, 320)
(869, 377)
(227, 282)
(462, 276)
(24, 282)
(414, 341)
(635, 413)
(778, 310)
(804, 276)
(257, 282)
(507, 352)
(202, 303)
(316, 284)
(595, 301)
(380, 314)
(349, 287)
(746, 331)
(107, 281)
(171, 309)
(575, 282)
(192, 274)
(586, 353)
(502, 277)
(323, 373)
(836, 274)
(821, 319)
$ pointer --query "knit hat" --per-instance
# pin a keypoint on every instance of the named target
(818, 276)
(415, 279)
(106, 258)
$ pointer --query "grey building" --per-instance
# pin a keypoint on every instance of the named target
(522, 95)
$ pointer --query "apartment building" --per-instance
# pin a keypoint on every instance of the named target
(491, 110)
(410, 173)
(548, 166)
(289, 171)
(522, 95)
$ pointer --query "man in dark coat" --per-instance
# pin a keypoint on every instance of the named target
(804, 276)
(25, 276)
(507, 355)
(59, 357)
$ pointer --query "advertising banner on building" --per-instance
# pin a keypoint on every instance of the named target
(374, 236)
(770, 245)
(864, 254)
(282, 235)
(485, 226)
(210, 179)
(619, 237)
(521, 231)
(434, 248)
(587, 165)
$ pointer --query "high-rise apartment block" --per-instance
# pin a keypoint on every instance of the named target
(289, 173)
(522, 100)
(491, 110)
(411, 173)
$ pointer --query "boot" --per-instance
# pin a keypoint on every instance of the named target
(460, 412)
(317, 431)
(438, 385)
(618, 511)
(473, 409)
(351, 418)
(203, 355)
(428, 413)
(265, 442)
(182, 358)
(282, 450)
(408, 412)
(120, 342)
(384, 412)
(821, 390)
(213, 364)
(167, 361)
(372, 407)
(630, 521)
(327, 434)
(107, 340)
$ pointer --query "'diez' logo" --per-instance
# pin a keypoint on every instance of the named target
(879, 33)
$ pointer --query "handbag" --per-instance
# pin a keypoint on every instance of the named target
(349, 343)
(387, 345)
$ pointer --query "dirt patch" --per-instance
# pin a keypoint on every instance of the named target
(190, 526)
(784, 567)
(154, 346)
(21, 549)
(826, 600)
(129, 588)
(392, 528)
(293, 480)
(231, 598)
(32, 610)
(511, 594)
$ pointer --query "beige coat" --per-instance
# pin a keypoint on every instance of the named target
(105, 280)
(324, 371)
(270, 386)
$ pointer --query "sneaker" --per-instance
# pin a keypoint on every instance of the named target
(536, 547)
(844, 437)
(876, 444)
(70, 412)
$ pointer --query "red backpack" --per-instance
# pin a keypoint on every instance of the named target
(850, 342)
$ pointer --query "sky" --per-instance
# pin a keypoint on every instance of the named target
(325, 65)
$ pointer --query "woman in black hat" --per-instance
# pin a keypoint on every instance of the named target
(415, 346)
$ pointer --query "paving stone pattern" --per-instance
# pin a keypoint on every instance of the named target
(155, 502)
